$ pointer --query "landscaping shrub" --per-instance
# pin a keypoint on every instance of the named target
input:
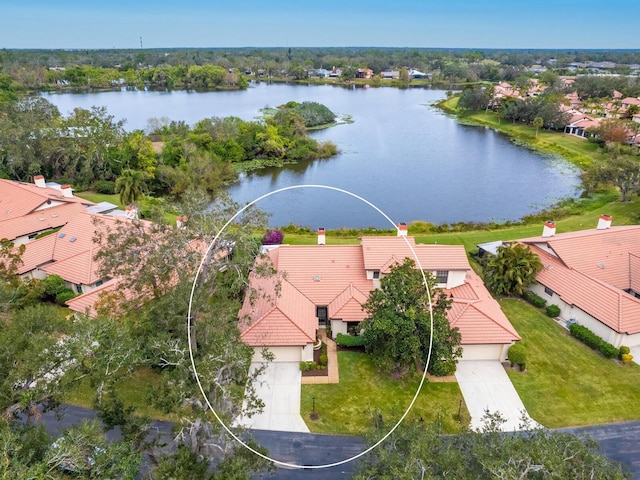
(534, 299)
(306, 366)
(624, 350)
(626, 358)
(443, 368)
(518, 355)
(592, 340)
(553, 311)
(64, 296)
(104, 186)
(349, 341)
(272, 237)
(324, 359)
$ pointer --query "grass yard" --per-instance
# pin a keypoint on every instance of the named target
(350, 406)
(567, 383)
(132, 389)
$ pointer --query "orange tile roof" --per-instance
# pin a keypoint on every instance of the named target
(477, 315)
(68, 252)
(380, 253)
(86, 302)
(19, 198)
(335, 276)
(277, 314)
(591, 269)
(39, 220)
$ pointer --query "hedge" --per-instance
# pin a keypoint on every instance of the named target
(518, 355)
(534, 299)
(592, 340)
(343, 340)
(553, 311)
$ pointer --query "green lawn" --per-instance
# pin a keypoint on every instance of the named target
(133, 390)
(567, 383)
(350, 406)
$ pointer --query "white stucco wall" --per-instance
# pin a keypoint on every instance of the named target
(568, 312)
(456, 278)
(282, 354)
(338, 326)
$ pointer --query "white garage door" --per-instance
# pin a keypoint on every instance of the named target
(481, 352)
(282, 354)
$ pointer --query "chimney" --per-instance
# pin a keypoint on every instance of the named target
(604, 222)
(66, 191)
(321, 236)
(403, 229)
(181, 221)
(549, 229)
(39, 181)
(131, 212)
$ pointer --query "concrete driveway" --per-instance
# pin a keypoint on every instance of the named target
(279, 388)
(486, 385)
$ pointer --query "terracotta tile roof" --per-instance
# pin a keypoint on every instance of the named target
(477, 315)
(38, 221)
(382, 252)
(322, 272)
(335, 276)
(591, 269)
(86, 302)
(68, 252)
(18, 198)
(278, 315)
(348, 305)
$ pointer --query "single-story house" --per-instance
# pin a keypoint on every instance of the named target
(28, 209)
(594, 277)
(319, 285)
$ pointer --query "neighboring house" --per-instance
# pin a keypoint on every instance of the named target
(390, 74)
(68, 253)
(594, 277)
(413, 73)
(27, 209)
(320, 285)
(580, 123)
(366, 73)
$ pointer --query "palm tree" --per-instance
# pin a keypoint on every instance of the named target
(512, 270)
(538, 122)
(130, 185)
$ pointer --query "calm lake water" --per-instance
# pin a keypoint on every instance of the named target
(401, 154)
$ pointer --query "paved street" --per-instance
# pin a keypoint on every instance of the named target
(619, 441)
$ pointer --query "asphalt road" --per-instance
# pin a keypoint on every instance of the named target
(618, 441)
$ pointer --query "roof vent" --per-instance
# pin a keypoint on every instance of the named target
(601, 265)
(61, 235)
(547, 267)
(316, 278)
(72, 239)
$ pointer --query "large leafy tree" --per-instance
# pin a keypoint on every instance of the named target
(512, 269)
(418, 451)
(397, 331)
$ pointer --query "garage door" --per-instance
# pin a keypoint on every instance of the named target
(282, 354)
(481, 352)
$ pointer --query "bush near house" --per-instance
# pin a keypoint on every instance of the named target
(518, 355)
(534, 299)
(349, 341)
(553, 311)
(592, 340)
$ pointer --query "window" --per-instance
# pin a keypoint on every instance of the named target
(548, 291)
(78, 288)
(442, 276)
(352, 328)
(98, 283)
(376, 274)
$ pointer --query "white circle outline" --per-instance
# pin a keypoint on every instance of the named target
(195, 372)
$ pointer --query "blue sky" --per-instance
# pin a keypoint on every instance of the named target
(328, 23)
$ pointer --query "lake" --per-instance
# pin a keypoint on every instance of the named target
(400, 153)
